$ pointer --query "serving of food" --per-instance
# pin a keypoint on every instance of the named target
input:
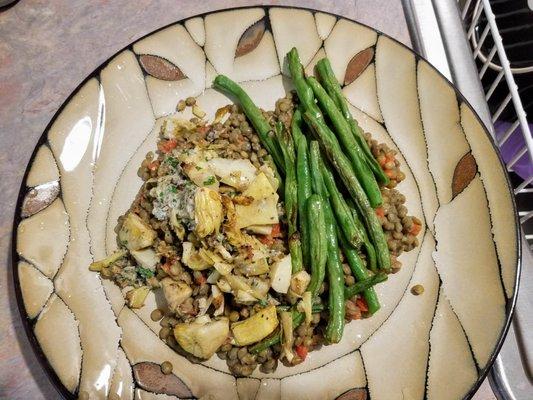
(242, 226)
(284, 218)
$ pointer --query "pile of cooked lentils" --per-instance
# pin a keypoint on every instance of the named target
(234, 135)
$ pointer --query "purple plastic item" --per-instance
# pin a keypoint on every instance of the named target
(523, 167)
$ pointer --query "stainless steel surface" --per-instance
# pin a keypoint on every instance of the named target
(463, 69)
(425, 34)
(511, 377)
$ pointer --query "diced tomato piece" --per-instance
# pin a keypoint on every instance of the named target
(361, 303)
(415, 229)
(203, 129)
(200, 279)
(154, 165)
(267, 239)
(166, 146)
(276, 230)
(380, 212)
(302, 351)
(166, 266)
(391, 174)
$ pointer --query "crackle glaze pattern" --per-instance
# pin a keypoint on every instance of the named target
(84, 175)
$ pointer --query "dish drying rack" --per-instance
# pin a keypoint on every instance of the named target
(462, 39)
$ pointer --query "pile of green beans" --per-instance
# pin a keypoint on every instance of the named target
(351, 146)
(320, 220)
(333, 88)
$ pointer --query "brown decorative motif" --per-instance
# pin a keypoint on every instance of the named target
(354, 394)
(358, 64)
(39, 197)
(160, 68)
(148, 376)
(465, 171)
(251, 38)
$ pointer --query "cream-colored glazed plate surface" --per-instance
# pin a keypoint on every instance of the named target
(83, 176)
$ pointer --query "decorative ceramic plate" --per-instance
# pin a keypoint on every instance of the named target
(83, 176)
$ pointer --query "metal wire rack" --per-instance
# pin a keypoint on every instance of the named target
(497, 76)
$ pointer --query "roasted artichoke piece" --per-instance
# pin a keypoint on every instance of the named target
(202, 339)
(208, 213)
(136, 234)
(255, 328)
(97, 266)
(175, 292)
(135, 297)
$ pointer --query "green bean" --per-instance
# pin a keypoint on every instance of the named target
(265, 343)
(317, 242)
(350, 145)
(359, 287)
(360, 272)
(253, 113)
(335, 325)
(296, 126)
(332, 86)
(303, 177)
(319, 187)
(343, 167)
(344, 217)
(297, 319)
(291, 196)
(369, 248)
(304, 92)
(295, 248)
(281, 185)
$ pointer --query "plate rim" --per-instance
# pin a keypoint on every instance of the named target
(28, 323)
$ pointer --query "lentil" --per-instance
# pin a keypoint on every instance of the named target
(166, 367)
(417, 290)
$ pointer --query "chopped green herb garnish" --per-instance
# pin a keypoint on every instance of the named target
(198, 168)
(172, 161)
(209, 181)
(173, 189)
(144, 272)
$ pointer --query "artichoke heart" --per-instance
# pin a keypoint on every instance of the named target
(263, 209)
(136, 234)
(175, 292)
(202, 339)
(109, 260)
(237, 173)
(192, 258)
(208, 213)
(136, 297)
(176, 127)
(255, 328)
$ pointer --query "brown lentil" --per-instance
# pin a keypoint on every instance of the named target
(166, 367)
(234, 316)
(417, 290)
(181, 105)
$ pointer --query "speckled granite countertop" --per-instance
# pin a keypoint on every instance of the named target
(47, 49)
